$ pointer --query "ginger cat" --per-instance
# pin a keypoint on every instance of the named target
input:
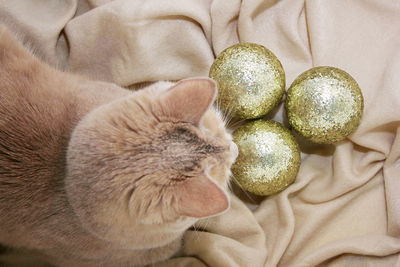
(92, 174)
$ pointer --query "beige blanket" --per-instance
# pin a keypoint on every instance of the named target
(344, 208)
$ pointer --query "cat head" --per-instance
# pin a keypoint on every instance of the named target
(158, 157)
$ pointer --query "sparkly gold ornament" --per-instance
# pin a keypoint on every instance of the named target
(269, 157)
(251, 80)
(324, 104)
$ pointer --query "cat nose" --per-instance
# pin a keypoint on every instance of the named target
(234, 150)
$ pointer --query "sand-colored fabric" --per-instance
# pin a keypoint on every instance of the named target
(344, 208)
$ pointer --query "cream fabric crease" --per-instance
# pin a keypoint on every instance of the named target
(344, 208)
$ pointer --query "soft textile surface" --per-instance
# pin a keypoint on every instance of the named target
(344, 208)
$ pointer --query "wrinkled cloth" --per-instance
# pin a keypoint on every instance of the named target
(344, 208)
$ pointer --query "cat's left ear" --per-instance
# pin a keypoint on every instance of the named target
(188, 100)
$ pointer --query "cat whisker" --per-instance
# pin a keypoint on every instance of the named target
(228, 114)
(225, 115)
(207, 222)
(237, 123)
(230, 187)
(244, 191)
(217, 104)
(196, 233)
(220, 111)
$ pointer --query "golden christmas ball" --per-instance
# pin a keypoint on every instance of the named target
(269, 157)
(324, 104)
(251, 80)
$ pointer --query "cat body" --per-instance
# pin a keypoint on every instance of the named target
(92, 174)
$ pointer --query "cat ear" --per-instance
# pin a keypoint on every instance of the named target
(188, 100)
(199, 197)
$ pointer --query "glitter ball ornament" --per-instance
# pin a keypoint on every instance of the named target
(324, 104)
(269, 157)
(251, 80)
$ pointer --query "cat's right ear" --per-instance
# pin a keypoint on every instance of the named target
(188, 100)
(199, 197)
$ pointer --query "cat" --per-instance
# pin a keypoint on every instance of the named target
(92, 174)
